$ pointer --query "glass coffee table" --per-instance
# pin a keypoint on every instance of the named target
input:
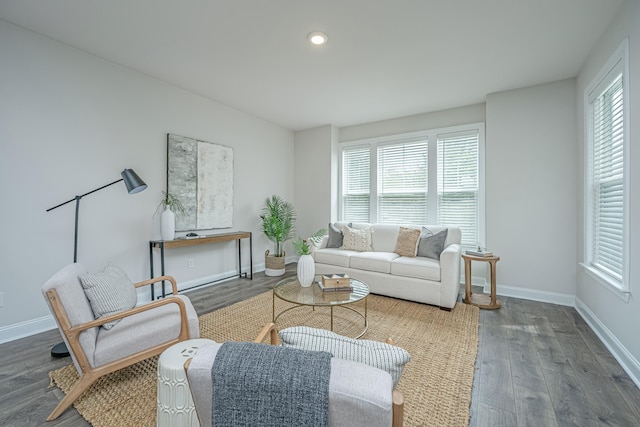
(289, 290)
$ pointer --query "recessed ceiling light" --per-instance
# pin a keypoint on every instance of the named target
(317, 38)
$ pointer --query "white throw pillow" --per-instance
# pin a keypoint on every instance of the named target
(380, 355)
(356, 240)
(109, 291)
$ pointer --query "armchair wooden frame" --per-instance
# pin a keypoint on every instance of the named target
(271, 331)
(90, 374)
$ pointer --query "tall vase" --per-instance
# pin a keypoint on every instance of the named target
(306, 270)
(168, 224)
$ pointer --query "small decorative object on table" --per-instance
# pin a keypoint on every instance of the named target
(335, 283)
(168, 216)
(480, 252)
(306, 265)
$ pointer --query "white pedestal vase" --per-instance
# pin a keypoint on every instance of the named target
(306, 270)
(168, 224)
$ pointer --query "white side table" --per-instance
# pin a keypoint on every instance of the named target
(174, 402)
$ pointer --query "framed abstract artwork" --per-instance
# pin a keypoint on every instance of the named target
(200, 174)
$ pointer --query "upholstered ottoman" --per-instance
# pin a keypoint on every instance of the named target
(174, 401)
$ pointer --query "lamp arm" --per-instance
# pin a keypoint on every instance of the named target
(85, 194)
(77, 200)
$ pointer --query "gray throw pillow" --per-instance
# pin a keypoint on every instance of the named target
(431, 245)
(373, 353)
(109, 291)
(335, 236)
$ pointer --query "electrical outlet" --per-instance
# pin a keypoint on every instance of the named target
(190, 263)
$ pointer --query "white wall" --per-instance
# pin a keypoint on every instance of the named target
(315, 151)
(613, 319)
(69, 123)
(437, 119)
(531, 212)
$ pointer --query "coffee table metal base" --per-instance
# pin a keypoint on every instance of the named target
(363, 316)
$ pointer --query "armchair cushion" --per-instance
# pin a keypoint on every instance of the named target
(142, 331)
(109, 291)
(380, 355)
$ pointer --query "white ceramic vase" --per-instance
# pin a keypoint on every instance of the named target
(168, 224)
(306, 270)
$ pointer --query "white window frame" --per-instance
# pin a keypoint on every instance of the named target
(618, 63)
(431, 136)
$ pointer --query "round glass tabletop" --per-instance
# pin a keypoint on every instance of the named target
(290, 290)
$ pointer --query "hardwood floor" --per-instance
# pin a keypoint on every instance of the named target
(538, 365)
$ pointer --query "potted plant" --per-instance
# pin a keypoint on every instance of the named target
(306, 266)
(278, 219)
(169, 205)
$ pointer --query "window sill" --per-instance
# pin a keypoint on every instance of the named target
(606, 282)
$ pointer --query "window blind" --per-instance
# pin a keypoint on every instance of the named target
(403, 183)
(458, 183)
(608, 180)
(356, 164)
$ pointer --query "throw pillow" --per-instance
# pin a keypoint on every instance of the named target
(109, 291)
(356, 240)
(373, 353)
(431, 245)
(335, 236)
(407, 242)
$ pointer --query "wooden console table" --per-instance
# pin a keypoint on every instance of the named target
(202, 240)
(480, 300)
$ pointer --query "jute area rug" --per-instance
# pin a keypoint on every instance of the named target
(436, 383)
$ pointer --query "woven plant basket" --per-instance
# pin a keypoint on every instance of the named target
(274, 262)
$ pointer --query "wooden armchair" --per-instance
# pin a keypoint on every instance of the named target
(143, 331)
(359, 395)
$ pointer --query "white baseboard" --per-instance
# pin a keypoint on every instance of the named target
(533, 295)
(25, 329)
(629, 363)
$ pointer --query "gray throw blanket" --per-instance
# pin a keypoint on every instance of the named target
(264, 385)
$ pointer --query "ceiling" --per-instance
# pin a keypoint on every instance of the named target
(384, 58)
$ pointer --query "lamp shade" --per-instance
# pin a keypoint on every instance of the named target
(132, 181)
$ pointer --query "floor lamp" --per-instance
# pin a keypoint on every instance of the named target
(134, 185)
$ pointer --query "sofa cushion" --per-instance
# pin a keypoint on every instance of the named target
(407, 243)
(385, 237)
(431, 245)
(337, 257)
(335, 236)
(373, 353)
(373, 261)
(356, 240)
(109, 291)
(418, 267)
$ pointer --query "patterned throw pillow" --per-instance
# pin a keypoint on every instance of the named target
(431, 245)
(407, 243)
(109, 291)
(380, 355)
(356, 240)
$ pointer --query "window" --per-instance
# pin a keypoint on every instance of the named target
(430, 177)
(355, 184)
(402, 183)
(606, 189)
(458, 195)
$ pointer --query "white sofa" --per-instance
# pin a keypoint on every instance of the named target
(420, 279)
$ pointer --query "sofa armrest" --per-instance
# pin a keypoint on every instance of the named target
(450, 275)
